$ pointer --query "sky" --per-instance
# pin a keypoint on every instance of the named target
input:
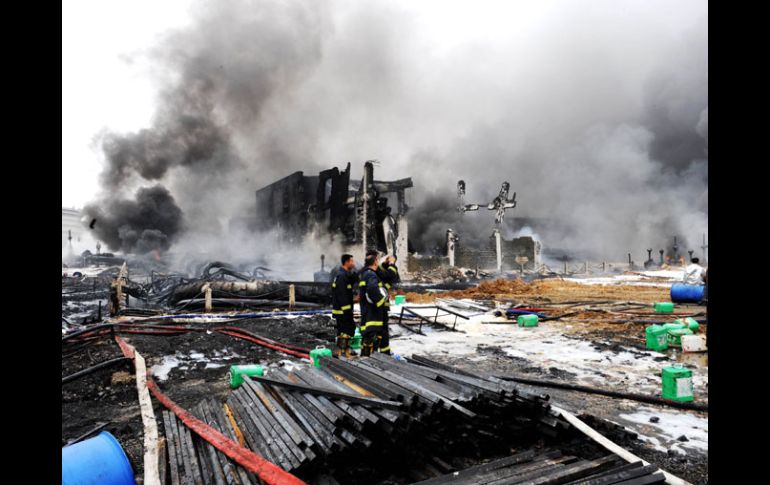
(174, 113)
(102, 89)
(108, 85)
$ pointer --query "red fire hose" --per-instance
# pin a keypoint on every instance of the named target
(265, 344)
(267, 471)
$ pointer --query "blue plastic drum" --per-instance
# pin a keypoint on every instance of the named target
(96, 461)
(681, 293)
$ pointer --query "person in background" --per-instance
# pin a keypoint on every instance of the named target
(342, 303)
(388, 273)
(694, 273)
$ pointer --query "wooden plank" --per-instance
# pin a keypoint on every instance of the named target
(219, 422)
(618, 474)
(523, 457)
(281, 435)
(259, 432)
(151, 472)
(162, 461)
(168, 420)
(564, 474)
(656, 478)
(326, 393)
(206, 449)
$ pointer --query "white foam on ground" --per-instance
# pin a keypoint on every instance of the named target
(671, 426)
(545, 346)
(162, 370)
(185, 361)
(639, 279)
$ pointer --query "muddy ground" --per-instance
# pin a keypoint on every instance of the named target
(110, 395)
(205, 358)
(547, 290)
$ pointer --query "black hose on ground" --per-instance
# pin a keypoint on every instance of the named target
(101, 365)
(620, 395)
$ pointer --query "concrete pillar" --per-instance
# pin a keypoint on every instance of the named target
(450, 246)
(499, 250)
(207, 295)
(402, 240)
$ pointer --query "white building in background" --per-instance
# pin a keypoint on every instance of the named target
(72, 226)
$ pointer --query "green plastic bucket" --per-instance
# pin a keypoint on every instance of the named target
(657, 337)
(355, 340)
(664, 307)
(238, 371)
(400, 300)
(319, 352)
(527, 320)
(674, 336)
(677, 383)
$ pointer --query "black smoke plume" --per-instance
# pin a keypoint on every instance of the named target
(148, 222)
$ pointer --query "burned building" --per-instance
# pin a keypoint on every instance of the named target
(517, 253)
(365, 214)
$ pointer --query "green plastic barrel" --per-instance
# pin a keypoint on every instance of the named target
(238, 371)
(664, 307)
(527, 320)
(674, 336)
(677, 383)
(355, 340)
(400, 300)
(657, 337)
(319, 352)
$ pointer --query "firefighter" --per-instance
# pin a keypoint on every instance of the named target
(362, 285)
(372, 305)
(342, 303)
(388, 273)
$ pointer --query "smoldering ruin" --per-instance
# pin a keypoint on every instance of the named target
(545, 201)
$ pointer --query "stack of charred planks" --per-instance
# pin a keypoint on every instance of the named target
(368, 417)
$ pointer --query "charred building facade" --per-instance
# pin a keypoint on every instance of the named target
(366, 214)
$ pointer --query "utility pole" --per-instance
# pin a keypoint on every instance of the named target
(499, 204)
(704, 248)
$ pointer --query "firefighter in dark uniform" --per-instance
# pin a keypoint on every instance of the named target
(372, 305)
(362, 285)
(388, 273)
(342, 303)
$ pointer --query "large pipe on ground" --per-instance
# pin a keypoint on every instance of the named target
(305, 291)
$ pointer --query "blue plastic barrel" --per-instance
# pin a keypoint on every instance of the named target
(681, 293)
(96, 461)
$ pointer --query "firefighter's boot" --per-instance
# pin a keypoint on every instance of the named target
(366, 349)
